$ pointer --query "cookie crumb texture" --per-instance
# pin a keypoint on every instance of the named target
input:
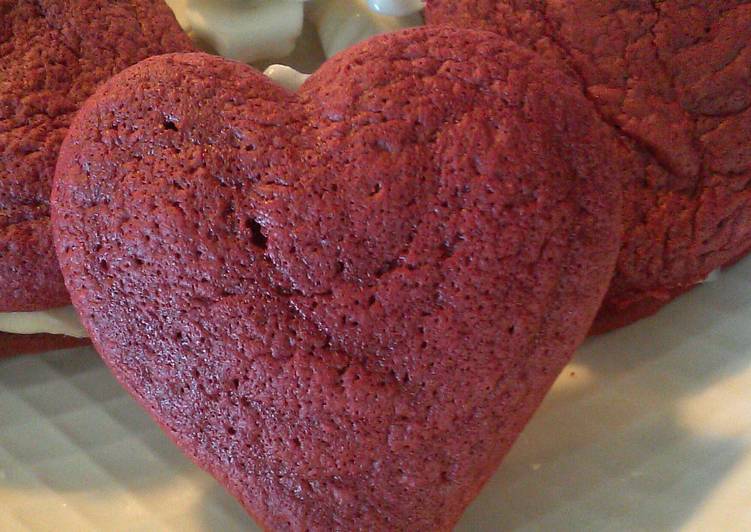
(54, 54)
(674, 78)
(345, 303)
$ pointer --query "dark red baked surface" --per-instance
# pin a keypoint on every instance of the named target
(53, 55)
(23, 344)
(344, 304)
(674, 78)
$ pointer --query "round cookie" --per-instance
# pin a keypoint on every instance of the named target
(54, 54)
(344, 303)
(673, 78)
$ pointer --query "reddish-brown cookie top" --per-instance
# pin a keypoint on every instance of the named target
(674, 77)
(345, 304)
(54, 54)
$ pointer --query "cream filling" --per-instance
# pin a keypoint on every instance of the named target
(257, 30)
(396, 8)
(242, 30)
(342, 23)
(63, 320)
(287, 77)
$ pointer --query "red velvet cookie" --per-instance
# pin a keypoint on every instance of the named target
(54, 54)
(20, 344)
(346, 303)
(673, 78)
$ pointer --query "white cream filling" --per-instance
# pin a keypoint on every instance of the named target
(63, 320)
(713, 276)
(396, 8)
(287, 77)
(244, 30)
(256, 30)
(342, 23)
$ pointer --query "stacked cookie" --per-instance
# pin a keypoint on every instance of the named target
(54, 55)
(672, 78)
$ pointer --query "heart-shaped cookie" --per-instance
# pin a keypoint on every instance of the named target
(54, 54)
(345, 304)
(673, 78)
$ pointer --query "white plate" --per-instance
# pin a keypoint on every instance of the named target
(648, 429)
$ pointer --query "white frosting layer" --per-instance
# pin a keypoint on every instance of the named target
(713, 276)
(62, 320)
(244, 30)
(256, 30)
(287, 77)
(397, 8)
(342, 23)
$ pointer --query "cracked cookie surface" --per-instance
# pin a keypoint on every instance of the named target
(53, 54)
(673, 77)
(344, 303)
